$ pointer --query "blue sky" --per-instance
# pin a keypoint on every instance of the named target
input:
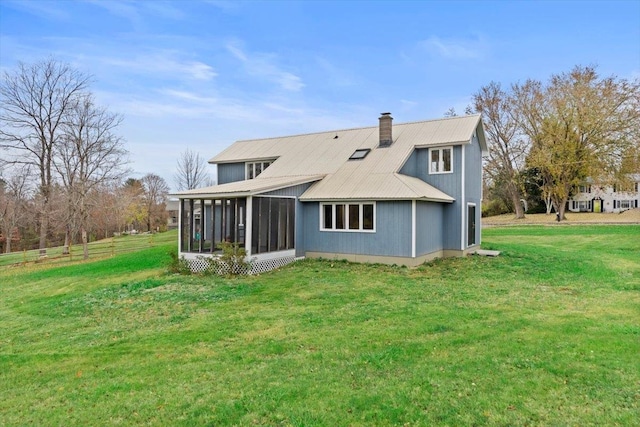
(202, 74)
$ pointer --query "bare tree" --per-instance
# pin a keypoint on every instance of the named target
(191, 172)
(14, 192)
(35, 104)
(90, 155)
(507, 147)
(155, 196)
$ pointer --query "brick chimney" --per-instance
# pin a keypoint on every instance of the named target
(386, 138)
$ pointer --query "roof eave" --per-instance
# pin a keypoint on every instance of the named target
(375, 199)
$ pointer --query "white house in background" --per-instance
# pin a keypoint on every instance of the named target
(606, 198)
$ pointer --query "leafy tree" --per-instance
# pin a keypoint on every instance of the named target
(579, 125)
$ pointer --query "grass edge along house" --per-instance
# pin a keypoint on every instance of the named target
(394, 193)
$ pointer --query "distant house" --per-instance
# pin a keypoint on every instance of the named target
(172, 208)
(615, 198)
(395, 194)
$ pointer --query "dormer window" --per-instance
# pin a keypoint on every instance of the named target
(253, 169)
(440, 160)
(360, 154)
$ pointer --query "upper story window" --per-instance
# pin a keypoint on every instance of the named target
(347, 216)
(254, 169)
(441, 160)
(584, 189)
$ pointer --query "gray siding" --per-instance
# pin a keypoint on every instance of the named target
(391, 238)
(473, 182)
(454, 221)
(429, 232)
(450, 183)
(230, 172)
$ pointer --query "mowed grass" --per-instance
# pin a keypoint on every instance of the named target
(98, 249)
(548, 333)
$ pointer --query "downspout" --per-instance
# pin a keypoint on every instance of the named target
(413, 228)
(463, 202)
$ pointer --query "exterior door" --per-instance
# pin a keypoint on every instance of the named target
(471, 225)
(597, 205)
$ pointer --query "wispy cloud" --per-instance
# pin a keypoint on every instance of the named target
(45, 9)
(265, 66)
(137, 12)
(458, 49)
(164, 63)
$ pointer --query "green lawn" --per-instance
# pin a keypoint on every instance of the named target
(97, 249)
(546, 334)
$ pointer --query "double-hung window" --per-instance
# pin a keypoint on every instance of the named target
(347, 217)
(441, 160)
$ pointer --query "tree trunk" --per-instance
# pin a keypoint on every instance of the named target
(561, 206)
(7, 244)
(549, 204)
(517, 204)
(85, 245)
(515, 199)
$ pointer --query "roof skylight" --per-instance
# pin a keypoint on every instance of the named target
(360, 154)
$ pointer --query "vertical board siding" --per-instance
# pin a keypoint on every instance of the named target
(391, 238)
(230, 172)
(429, 232)
(473, 182)
(451, 184)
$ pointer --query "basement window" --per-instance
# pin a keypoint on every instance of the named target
(360, 154)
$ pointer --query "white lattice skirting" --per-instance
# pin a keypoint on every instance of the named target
(256, 265)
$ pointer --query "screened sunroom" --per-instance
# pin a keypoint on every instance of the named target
(268, 225)
(257, 214)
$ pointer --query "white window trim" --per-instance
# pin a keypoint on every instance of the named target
(441, 162)
(467, 225)
(346, 229)
(253, 168)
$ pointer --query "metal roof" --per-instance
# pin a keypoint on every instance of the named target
(247, 187)
(324, 157)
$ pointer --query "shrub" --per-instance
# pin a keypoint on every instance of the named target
(232, 261)
(177, 264)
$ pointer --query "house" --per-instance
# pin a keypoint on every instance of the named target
(615, 198)
(393, 193)
(172, 208)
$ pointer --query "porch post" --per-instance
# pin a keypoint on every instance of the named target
(191, 224)
(248, 225)
(201, 233)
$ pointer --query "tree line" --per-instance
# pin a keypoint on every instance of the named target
(63, 167)
(547, 138)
